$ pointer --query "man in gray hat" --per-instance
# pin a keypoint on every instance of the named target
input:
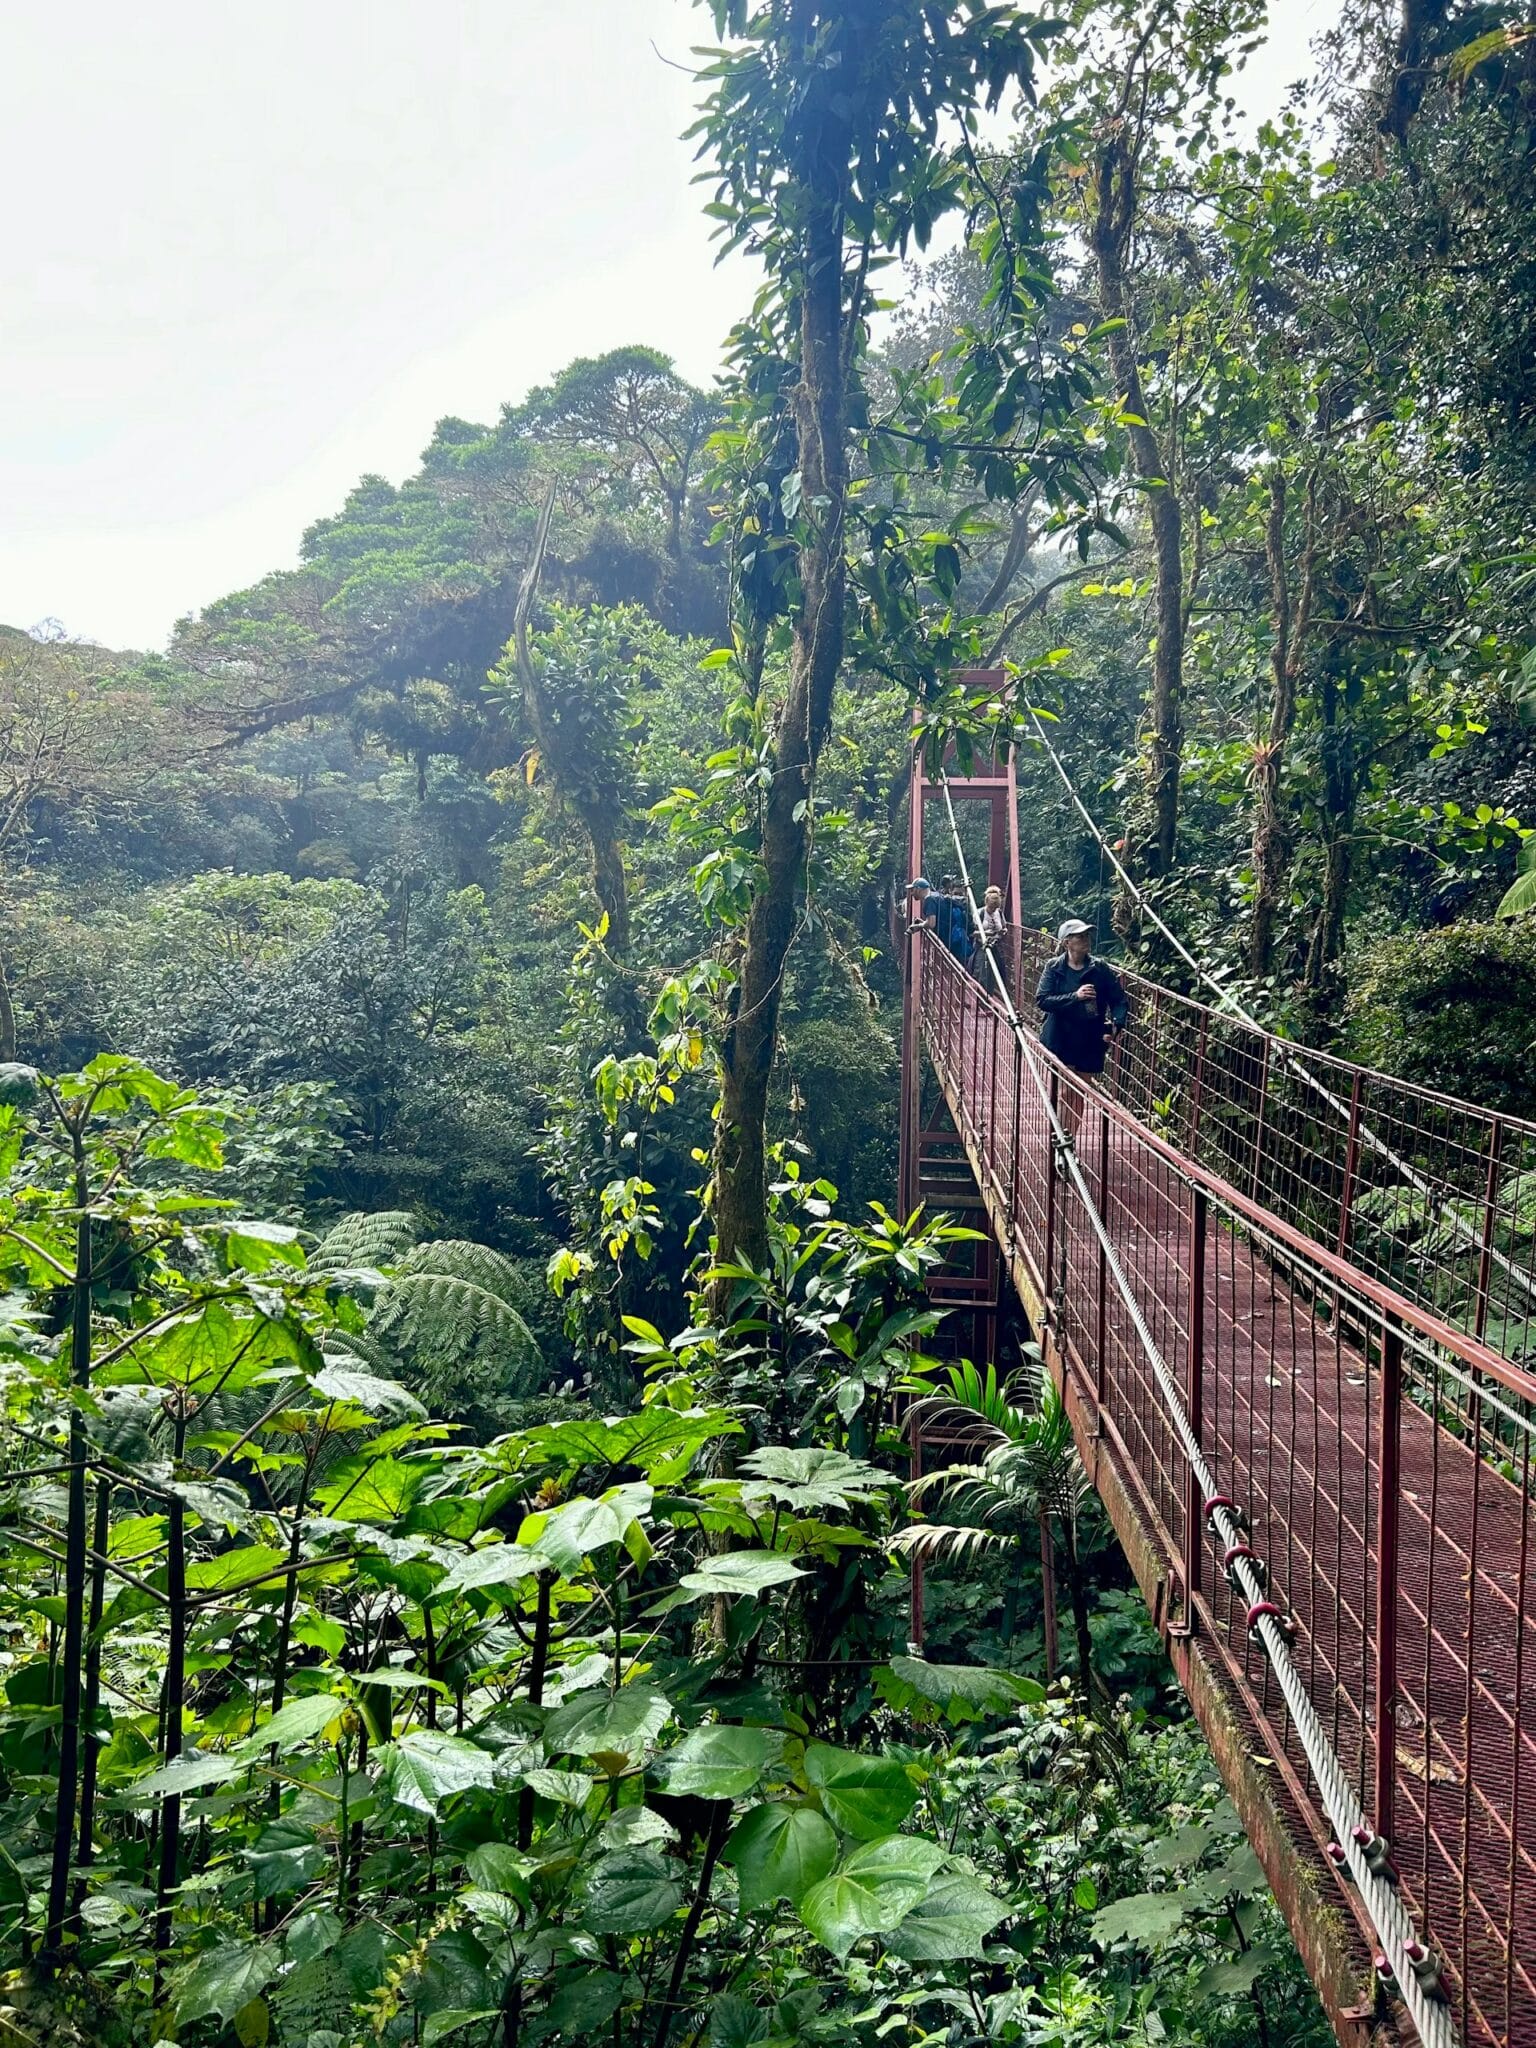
(1084, 1005)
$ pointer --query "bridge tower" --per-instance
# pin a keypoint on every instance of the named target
(934, 1168)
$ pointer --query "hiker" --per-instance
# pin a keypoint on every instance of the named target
(921, 903)
(1085, 1008)
(992, 938)
(954, 920)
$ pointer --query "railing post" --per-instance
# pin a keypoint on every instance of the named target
(1388, 1489)
(1194, 1396)
(1197, 1088)
(1490, 1199)
(1152, 1052)
(1050, 1199)
(1258, 1134)
(1351, 1171)
(1101, 1362)
(1013, 1165)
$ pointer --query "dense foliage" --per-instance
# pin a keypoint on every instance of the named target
(452, 1552)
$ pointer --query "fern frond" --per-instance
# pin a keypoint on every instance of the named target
(931, 1541)
(367, 1237)
(448, 1309)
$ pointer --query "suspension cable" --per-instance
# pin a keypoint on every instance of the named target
(1405, 1955)
(1229, 1002)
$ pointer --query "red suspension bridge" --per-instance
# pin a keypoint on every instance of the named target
(1285, 1299)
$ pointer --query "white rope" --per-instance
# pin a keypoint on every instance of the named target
(1385, 1909)
(1227, 1001)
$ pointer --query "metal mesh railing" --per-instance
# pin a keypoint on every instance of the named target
(1343, 1397)
(1432, 1196)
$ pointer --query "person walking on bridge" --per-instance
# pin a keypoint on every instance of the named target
(1084, 1005)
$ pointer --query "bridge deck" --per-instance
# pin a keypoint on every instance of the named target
(1384, 1462)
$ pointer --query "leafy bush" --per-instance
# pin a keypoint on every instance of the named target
(1451, 1009)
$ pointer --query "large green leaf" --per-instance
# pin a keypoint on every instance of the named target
(866, 1796)
(584, 2002)
(243, 1566)
(871, 1892)
(740, 1571)
(295, 1723)
(630, 1891)
(717, 1763)
(1145, 1917)
(979, 1684)
(494, 1566)
(616, 1728)
(210, 1349)
(284, 1858)
(579, 1529)
(424, 1768)
(779, 1851)
(661, 1442)
(951, 1923)
(220, 1983)
(815, 1478)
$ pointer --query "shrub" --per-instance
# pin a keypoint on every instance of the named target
(1451, 1009)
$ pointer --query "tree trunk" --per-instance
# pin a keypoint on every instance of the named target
(1110, 236)
(1327, 945)
(740, 1197)
(1271, 829)
(7, 1016)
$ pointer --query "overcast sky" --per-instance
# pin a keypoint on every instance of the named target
(253, 252)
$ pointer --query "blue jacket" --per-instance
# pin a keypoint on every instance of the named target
(1074, 1030)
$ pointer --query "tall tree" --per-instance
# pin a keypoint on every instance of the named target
(838, 129)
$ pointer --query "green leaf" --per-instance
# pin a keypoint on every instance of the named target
(256, 1246)
(1145, 1917)
(740, 1571)
(779, 1851)
(952, 1922)
(608, 1725)
(584, 2003)
(494, 1566)
(295, 1723)
(423, 1769)
(865, 1796)
(738, 2023)
(284, 1858)
(440, 2025)
(871, 1892)
(716, 1763)
(245, 1565)
(219, 1984)
(630, 1891)
(1236, 1978)
(977, 1685)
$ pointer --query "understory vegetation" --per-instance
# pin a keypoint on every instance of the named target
(455, 1335)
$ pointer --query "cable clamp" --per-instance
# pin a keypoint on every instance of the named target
(1220, 1501)
(1263, 1610)
(1378, 1856)
(1245, 1553)
(1428, 1968)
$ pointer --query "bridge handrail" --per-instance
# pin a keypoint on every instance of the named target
(1432, 1196)
(1433, 1333)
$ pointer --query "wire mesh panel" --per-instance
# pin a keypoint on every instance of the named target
(1381, 1453)
(1432, 1196)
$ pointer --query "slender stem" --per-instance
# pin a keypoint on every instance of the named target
(175, 1688)
(74, 1566)
(536, 1670)
(718, 1827)
(92, 1752)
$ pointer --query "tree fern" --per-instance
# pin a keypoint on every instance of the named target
(365, 1238)
(448, 1309)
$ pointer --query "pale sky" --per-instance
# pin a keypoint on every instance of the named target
(254, 252)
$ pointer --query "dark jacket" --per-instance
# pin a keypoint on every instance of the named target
(1074, 1030)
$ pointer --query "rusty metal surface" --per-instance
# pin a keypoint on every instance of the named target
(1379, 1449)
